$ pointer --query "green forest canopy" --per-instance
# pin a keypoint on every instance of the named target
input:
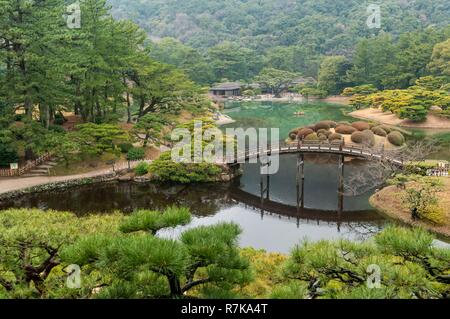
(235, 39)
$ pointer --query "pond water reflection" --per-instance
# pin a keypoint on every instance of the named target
(276, 226)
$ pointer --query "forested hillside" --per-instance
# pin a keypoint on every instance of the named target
(326, 26)
(237, 38)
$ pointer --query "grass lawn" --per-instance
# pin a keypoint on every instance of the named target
(389, 201)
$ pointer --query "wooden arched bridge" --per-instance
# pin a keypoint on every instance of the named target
(317, 147)
(340, 149)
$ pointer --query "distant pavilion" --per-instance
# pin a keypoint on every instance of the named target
(226, 89)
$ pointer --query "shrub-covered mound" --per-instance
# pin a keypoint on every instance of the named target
(293, 134)
(361, 126)
(366, 137)
(335, 137)
(377, 130)
(345, 129)
(170, 171)
(312, 137)
(324, 132)
(396, 138)
(304, 132)
(325, 125)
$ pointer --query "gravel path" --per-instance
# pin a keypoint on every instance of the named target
(17, 183)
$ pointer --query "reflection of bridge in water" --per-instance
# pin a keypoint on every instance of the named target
(270, 207)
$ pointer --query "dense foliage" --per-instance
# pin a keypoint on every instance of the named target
(235, 39)
(413, 103)
(141, 265)
(409, 267)
(124, 257)
(99, 74)
(189, 169)
(31, 242)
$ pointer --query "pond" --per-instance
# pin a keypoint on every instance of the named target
(275, 226)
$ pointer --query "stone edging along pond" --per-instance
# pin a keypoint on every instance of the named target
(121, 176)
(59, 185)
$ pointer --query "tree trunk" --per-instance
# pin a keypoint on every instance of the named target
(175, 287)
(141, 106)
(44, 114)
(128, 108)
(28, 105)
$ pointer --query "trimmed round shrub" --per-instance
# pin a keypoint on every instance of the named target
(125, 147)
(386, 128)
(358, 137)
(304, 133)
(324, 132)
(377, 130)
(335, 137)
(322, 137)
(323, 125)
(312, 137)
(396, 138)
(345, 129)
(370, 137)
(332, 124)
(142, 169)
(365, 138)
(293, 134)
(136, 154)
(361, 126)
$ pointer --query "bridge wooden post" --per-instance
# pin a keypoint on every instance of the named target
(341, 183)
(265, 190)
(301, 181)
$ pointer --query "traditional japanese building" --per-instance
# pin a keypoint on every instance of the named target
(226, 89)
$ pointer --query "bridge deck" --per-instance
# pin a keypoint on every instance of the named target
(354, 150)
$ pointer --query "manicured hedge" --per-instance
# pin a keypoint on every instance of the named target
(345, 129)
(322, 125)
(304, 133)
(312, 137)
(361, 126)
(366, 137)
(396, 138)
(332, 124)
(335, 137)
(377, 130)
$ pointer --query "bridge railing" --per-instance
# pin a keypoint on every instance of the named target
(313, 146)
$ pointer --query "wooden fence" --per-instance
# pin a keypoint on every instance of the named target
(27, 167)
